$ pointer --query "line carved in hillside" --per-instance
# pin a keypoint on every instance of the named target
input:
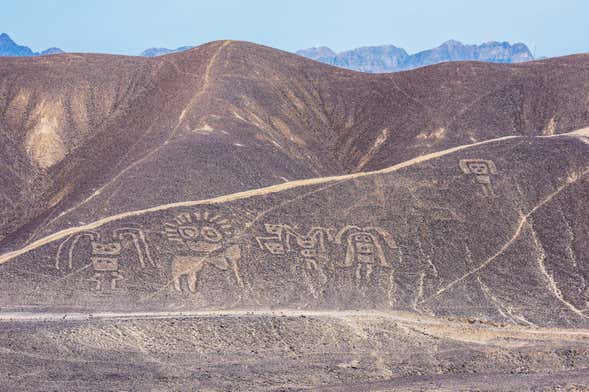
(237, 196)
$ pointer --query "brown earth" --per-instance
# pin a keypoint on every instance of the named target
(418, 230)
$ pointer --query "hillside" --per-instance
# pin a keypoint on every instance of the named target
(252, 116)
(244, 206)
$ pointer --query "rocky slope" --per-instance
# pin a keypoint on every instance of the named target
(292, 224)
(225, 109)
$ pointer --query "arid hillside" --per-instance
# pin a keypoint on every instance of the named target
(99, 134)
(424, 226)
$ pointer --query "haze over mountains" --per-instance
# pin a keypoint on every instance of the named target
(238, 217)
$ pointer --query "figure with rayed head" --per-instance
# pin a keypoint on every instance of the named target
(207, 237)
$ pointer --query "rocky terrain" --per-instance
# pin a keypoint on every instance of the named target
(389, 58)
(234, 217)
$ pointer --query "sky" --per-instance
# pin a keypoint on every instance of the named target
(549, 28)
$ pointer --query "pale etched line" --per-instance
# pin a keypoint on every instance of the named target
(522, 222)
(583, 132)
(427, 258)
(175, 65)
(501, 307)
(50, 219)
(206, 81)
(498, 305)
(427, 107)
(237, 196)
(284, 204)
(348, 315)
(246, 194)
(570, 249)
(552, 286)
(157, 148)
(580, 134)
(475, 101)
(376, 145)
(420, 289)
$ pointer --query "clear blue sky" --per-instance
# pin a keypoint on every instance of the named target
(128, 26)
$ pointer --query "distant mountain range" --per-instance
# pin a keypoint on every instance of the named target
(9, 48)
(153, 52)
(389, 58)
(372, 59)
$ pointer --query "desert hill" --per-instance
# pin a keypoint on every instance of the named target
(79, 126)
(420, 223)
(442, 272)
(454, 233)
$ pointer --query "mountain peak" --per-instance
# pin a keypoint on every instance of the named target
(10, 48)
(6, 40)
